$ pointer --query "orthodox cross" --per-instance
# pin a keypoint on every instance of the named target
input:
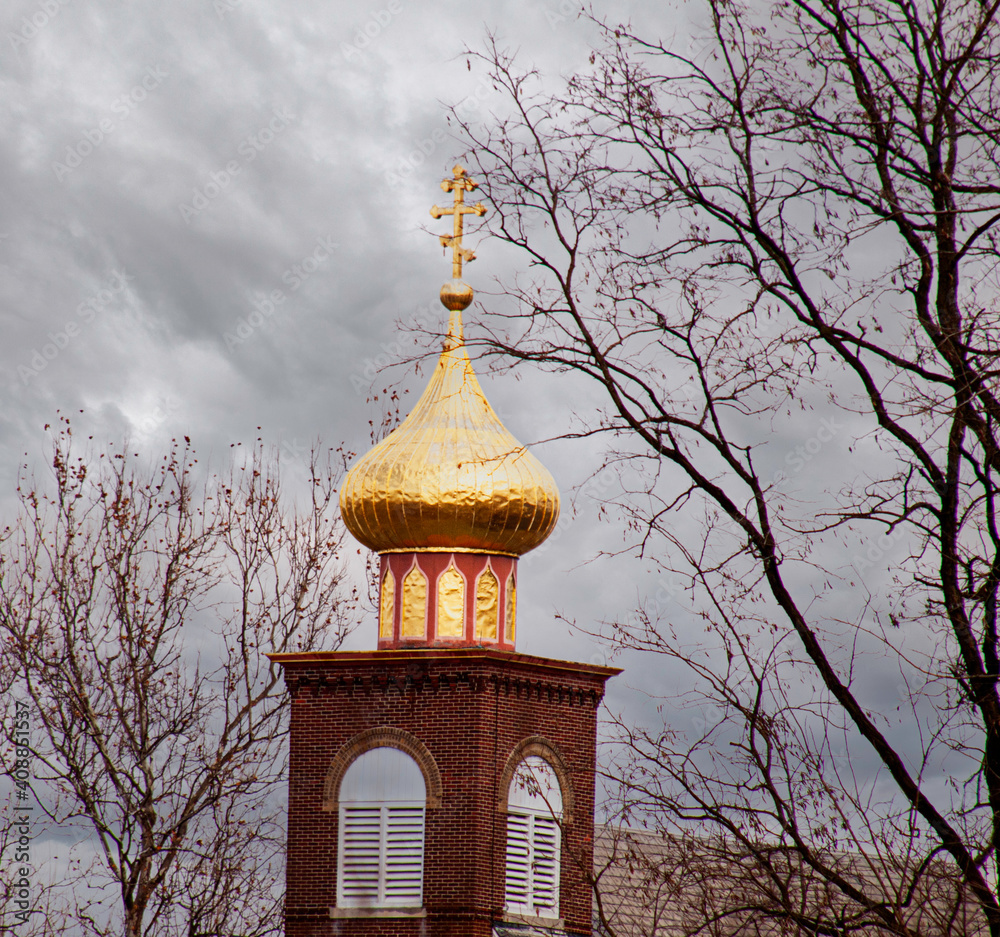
(459, 185)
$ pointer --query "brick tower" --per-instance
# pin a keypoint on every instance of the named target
(443, 784)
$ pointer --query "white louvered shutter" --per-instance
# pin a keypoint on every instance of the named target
(360, 849)
(532, 885)
(382, 849)
(404, 856)
(545, 866)
(518, 888)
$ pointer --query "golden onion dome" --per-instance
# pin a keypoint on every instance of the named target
(450, 477)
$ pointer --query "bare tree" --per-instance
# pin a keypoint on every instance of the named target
(774, 247)
(136, 606)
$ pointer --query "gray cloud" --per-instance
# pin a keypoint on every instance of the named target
(178, 173)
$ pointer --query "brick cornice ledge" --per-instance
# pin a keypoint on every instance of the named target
(527, 687)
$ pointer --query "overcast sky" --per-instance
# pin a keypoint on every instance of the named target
(168, 168)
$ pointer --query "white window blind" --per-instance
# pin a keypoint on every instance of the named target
(360, 852)
(533, 841)
(545, 866)
(532, 865)
(404, 855)
(380, 848)
(518, 861)
(382, 855)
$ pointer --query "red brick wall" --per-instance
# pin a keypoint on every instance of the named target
(470, 707)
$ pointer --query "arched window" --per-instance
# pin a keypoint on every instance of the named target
(534, 809)
(380, 849)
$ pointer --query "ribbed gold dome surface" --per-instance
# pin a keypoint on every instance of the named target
(450, 477)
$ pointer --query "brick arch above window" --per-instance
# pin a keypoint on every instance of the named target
(382, 737)
(542, 748)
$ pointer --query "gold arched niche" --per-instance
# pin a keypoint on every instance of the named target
(386, 605)
(511, 610)
(487, 599)
(413, 623)
(451, 603)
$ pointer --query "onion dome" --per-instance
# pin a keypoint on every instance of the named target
(450, 477)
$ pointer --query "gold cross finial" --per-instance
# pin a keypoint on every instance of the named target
(459, 185)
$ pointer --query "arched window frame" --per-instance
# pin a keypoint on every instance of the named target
(533, 868)
(389, 827)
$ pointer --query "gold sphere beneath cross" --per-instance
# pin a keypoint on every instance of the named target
(456, 295)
